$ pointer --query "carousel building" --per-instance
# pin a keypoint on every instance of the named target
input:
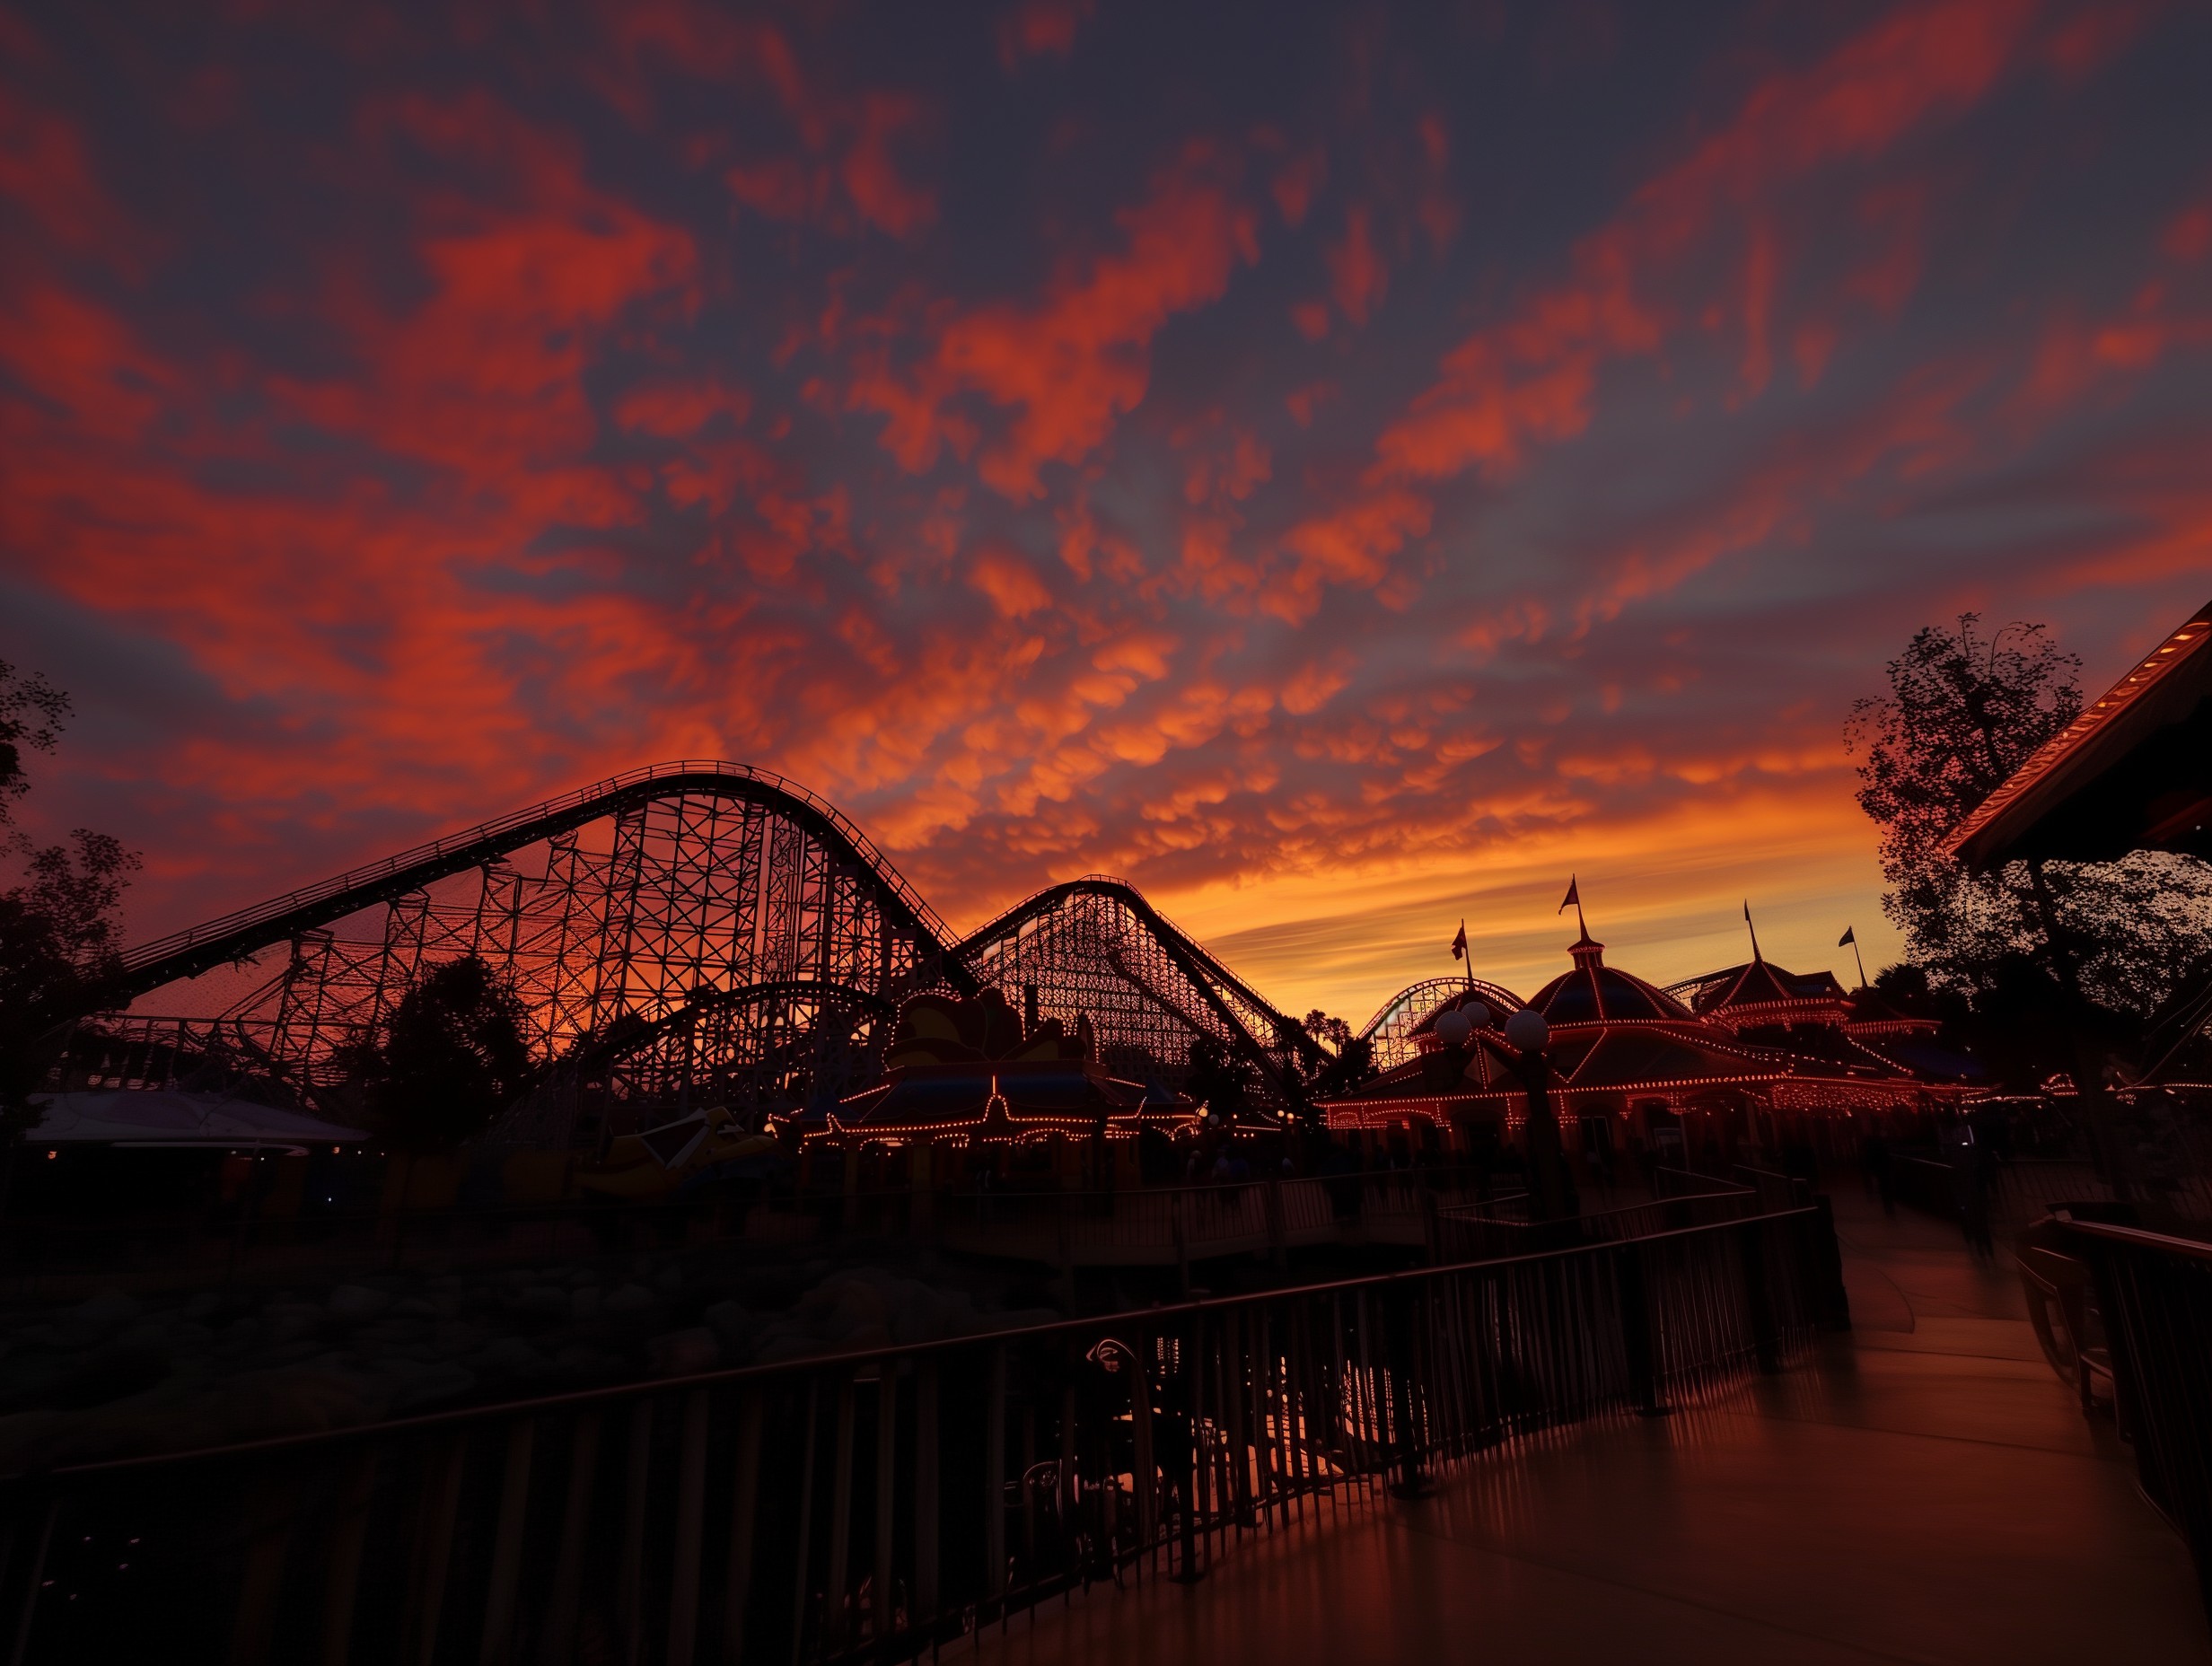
(966, 1075)
(1633, 1067)
(1812, 1014)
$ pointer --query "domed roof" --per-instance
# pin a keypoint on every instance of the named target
(1593, 993)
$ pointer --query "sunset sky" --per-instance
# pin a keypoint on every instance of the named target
(1342, 468)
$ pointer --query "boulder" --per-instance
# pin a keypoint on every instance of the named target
(684, 1352)
(356, 1304)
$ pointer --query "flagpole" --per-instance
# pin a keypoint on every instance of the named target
(1861, 959)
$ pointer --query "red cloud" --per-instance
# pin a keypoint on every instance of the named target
(1530, 378)
(1356, 274)
(1040, 28)
(517, 455)
(850, 172)
(1066, 367)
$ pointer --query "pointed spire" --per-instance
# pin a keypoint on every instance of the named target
(1757, 959)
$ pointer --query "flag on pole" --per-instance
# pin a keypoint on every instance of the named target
(1849, 937)
(1459, 944)
(1573, 899)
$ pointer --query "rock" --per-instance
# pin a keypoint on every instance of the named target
(455, 1336)
(99, 1316)
(583, 1364)
(684, 1352)
(289, 1320)
(854, 1305)
(629, 1299)
(508, 1357)
(784, 1341)
(545, 1303)
(584, 1303)
(410, 1385)
(413, 1307)
(241, 1334)
(669, 1278)
(730, 1322)
(355, 1304)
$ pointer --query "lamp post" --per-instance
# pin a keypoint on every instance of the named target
(1526, 1033)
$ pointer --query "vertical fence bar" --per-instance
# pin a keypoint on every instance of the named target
(744, 1504)
(1140, 1438)
(806, 1519)
(928, 1509)
(558, 1644)
(35, 1583)
(882, 1614)
(506, 1570)
(835, 1629)
(440, 1503)
(349, 1532)
(994, 1477)
(683, 1584)
(631, 1583)
(270, 1505)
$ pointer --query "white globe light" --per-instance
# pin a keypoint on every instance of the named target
(1477, 1013)
(1454, 1030)
(1527, 1030)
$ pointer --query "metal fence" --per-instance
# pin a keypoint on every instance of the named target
(2155, 1297)
(876, 1505)
(1476, 1232)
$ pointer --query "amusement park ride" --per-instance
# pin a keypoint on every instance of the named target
(690, 933)
(705, 936)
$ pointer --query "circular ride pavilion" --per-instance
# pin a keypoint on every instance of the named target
(1634, 1070)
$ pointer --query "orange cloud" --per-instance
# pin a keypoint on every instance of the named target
(1065, 369)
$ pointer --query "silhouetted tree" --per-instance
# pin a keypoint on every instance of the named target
(1353, 1064)
(1219, 1080)
(58, 929)
(1321, 1027)
(31, 714)
(453, 1054)
(1963, 713)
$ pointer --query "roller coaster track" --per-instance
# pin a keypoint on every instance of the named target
(1258, 1029)
(546, 1112)
(1410, 1010)
(232, 936)
(721, 910)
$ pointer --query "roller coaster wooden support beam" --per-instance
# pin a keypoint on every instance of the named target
(234, 936)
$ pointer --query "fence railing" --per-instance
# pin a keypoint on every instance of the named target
(1475, 1231)
(876, 1504)
(2154, 1299)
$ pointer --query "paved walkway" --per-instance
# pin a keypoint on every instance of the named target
(1925, 1490)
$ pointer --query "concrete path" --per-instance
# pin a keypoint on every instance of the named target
(1925, 1490)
